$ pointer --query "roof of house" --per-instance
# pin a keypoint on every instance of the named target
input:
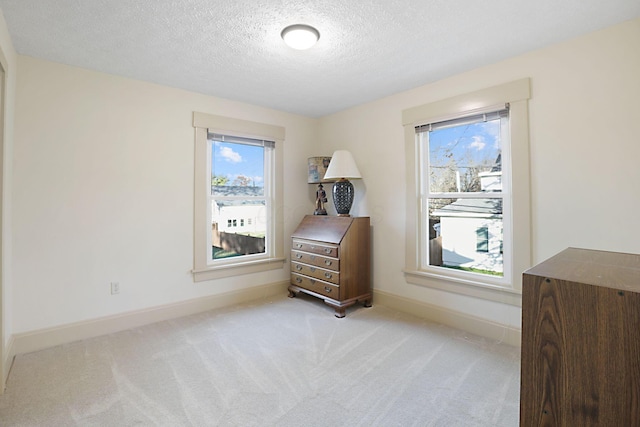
(471, 208)
(497, 165)
(225, 191)
(236, 191)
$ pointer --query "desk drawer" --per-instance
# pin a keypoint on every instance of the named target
(318, 273)
(318, 248)
(318, 286)
(317, 260)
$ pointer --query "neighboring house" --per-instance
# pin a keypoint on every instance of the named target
(471, 232)
(237, 215)
(471, 229)
(230, 218)
(237, 220)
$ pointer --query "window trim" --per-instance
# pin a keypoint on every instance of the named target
(516, 94)
(267, 196)
(204, 123)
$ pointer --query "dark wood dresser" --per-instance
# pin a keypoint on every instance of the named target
(580, 362)
(331, 260)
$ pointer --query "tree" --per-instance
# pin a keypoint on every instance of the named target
(219, 180)
(242, 181)
(451, 174)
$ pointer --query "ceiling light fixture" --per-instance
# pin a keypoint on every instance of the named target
(300, 36)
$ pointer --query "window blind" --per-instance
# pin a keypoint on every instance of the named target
(240, 140)
(465, 120)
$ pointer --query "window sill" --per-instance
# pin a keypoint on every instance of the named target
(237, 269)
(461, 286)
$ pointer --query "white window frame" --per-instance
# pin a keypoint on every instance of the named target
(517, 240)
(426, 195)
(274, 255)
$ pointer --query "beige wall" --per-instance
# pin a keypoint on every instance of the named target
(103, 176)
(584, 148)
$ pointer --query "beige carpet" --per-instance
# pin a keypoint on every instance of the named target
(277, 362)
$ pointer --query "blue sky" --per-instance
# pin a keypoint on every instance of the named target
(232, 160)
(467, 143)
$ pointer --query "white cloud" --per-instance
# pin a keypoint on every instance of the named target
(478, 143)
(229, 155)
(497, 143)
(492, 130)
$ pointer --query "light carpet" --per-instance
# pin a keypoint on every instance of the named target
(274, 362)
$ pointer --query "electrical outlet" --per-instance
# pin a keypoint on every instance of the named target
(115, 288)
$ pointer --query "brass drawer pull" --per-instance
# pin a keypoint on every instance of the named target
(299, 267)
(327, 250)
(298, 245)
(327, 289)
(313, 269)
(327, 275)
(312, 257)
(327, 262)
(313, 282)
(299, 256)
(298, 280)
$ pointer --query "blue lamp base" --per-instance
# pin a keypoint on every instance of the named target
(343, 194)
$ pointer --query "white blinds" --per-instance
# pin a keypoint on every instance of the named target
(465, 120)
(240, 140)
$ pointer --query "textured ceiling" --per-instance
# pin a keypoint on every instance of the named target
(368, 49)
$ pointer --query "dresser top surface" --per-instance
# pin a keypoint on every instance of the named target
(598, 268)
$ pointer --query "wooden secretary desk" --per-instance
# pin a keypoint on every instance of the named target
(331, 260)
(581, 340)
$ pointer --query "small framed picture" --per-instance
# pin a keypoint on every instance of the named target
(317, 169)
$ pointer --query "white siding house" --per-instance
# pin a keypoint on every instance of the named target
(238, 218)
(235, 210)
(471, 229)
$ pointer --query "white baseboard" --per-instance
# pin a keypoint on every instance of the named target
(44, 338)
(475, 325)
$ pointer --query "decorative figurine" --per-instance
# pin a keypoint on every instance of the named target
(321, 199)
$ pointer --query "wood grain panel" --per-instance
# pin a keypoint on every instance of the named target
(317, 260)
(580, 362)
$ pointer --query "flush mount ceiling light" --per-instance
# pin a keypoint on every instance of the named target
(300, 36)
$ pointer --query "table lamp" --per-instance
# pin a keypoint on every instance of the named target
(342, 167)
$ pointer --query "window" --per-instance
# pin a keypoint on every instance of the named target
(240, 185)
(467, 224)
(482, 239)
(462, 191)
(238, 175)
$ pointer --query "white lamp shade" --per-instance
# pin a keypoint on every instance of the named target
(342, 165)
